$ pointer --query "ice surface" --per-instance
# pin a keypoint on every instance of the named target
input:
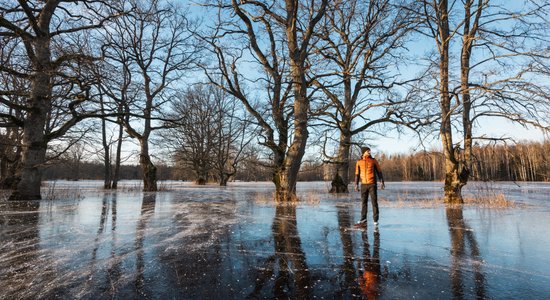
(191, 242)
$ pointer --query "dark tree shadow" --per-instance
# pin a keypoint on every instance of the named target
(464, 249)
(147, 210)
(287, 267)
(113, 272)
(20, 238)
(349, 287)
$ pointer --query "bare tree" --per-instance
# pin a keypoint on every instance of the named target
(500, 49)
(194, 136)
(235, 133)
(357, 58)
(112, 136)
(48, 34)
(12, 91)
(116, 88)
(108, 180)
(74, 156)
(211, 135)
(154, 45)
(273, 32)
(10, 157)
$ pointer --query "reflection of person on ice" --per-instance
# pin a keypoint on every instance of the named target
(368, 170)
(369, 279)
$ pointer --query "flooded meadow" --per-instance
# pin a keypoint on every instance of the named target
(209, 242)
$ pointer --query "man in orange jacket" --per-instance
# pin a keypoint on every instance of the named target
(368, 170)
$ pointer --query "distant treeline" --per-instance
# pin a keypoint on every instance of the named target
(519, 162)
(69, 170)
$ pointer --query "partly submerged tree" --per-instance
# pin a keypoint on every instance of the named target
(355, 65)
(235, 133)
(12, 92)
(209, 134)
(117, 89)
(155, 48)
(498, 51)
(194, 132)
(277, 39)
(48, 36)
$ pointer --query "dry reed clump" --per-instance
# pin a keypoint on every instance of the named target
(53, 193)
(63, 194)
(309, 198)
(164, 187)
(488, 201)
(130, 188)
(401, 202)
(491, 201)
(264, 198)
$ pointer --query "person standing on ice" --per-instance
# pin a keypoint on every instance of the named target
(367, 170)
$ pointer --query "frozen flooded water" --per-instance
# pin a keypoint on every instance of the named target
(194, 242)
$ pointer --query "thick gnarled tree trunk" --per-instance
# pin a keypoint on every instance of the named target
(34, 142)
(298, 52)
(456, 178)
(37, 27)
(148, 169)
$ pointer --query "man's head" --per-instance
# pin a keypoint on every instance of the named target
(365, 151)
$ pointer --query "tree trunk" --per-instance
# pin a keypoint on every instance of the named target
(34, 155)
(285, 189)
(8, 173)
(337, 185)
(34, 142)
(453, 184)
(107, 179)
(116, 173)
(289, 174)
(148, 169)
(202, 171)
(340, 178)
(466, 53)
(224, 178)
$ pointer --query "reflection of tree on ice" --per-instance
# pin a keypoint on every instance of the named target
(369, 278)
(287, 268)
(462, 240)
(147, 210)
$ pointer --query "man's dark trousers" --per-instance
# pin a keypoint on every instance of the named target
(366, 191)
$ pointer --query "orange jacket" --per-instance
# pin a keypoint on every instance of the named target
(367, 169)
